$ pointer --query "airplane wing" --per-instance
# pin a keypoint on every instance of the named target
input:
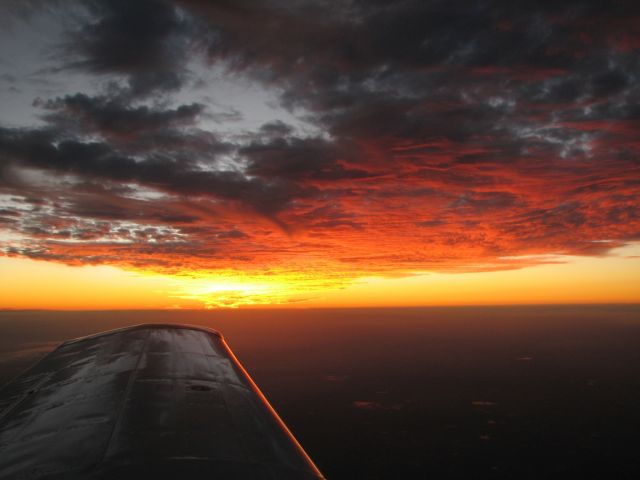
(148, 401)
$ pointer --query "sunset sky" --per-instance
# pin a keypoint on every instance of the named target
(309, 153)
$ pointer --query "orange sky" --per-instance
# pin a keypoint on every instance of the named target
(30, 284)
(309, 154)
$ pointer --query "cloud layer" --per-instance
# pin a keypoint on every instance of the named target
(446, 136)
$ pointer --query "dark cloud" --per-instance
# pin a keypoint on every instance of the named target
(447, 135)
(99, 160)
(298, 159)
(113, 116)
(276, 128)
(145, 40)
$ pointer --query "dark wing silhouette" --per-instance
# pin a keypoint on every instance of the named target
(149, 401)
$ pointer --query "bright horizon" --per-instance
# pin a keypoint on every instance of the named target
(580, 280)
(186, 154)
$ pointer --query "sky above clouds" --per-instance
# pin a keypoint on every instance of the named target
(318, 141)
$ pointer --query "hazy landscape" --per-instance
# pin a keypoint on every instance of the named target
(459, 392)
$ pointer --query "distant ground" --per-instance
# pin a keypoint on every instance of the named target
(465, 392)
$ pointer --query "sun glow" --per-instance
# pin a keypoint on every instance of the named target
(212, 293)
(39, 284)
(232, 289)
